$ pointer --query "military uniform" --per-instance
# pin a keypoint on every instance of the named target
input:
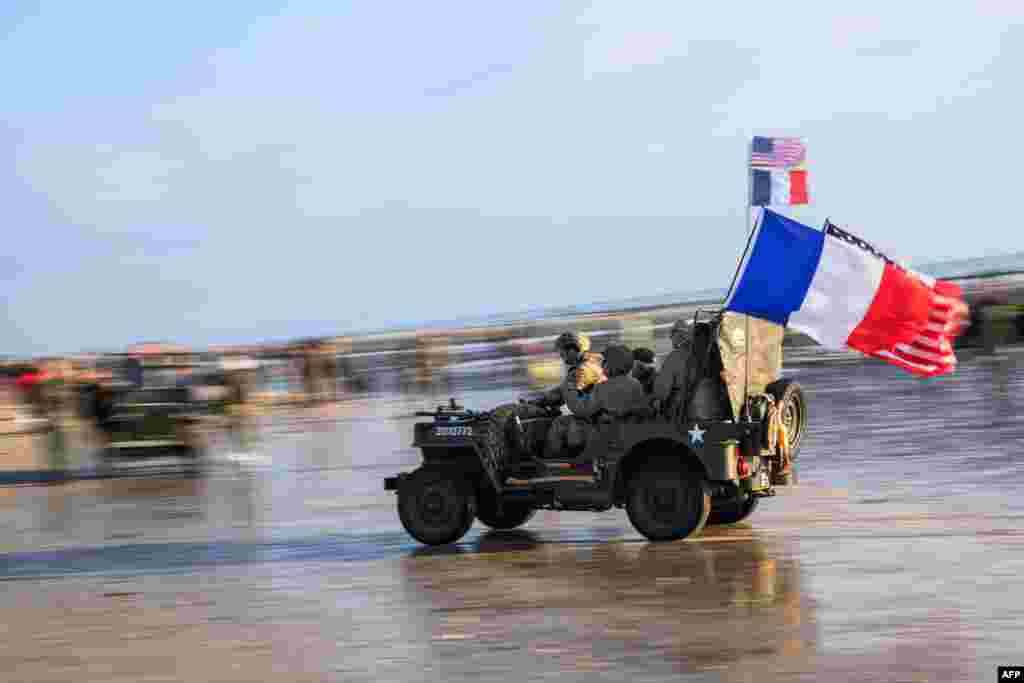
(583, 376)
(644, 371)
(672, 382)
(582, 379)
(617, 397)
(673, 374)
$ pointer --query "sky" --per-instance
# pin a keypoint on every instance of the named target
(211, 173)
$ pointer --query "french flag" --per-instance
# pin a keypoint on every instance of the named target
(787, 187)
(843, 293)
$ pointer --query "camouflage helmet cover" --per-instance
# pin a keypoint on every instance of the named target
(571, 339)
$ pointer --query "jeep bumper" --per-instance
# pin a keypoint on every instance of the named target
(392, 483)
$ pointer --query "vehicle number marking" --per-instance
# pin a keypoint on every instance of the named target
(462, 430)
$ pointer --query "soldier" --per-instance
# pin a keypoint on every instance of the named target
(644, 369)
(584, 371)
(621, 395)
(671, 382)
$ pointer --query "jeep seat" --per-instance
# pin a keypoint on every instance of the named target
(709, 399)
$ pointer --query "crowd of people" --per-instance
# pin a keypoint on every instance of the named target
(55, 396)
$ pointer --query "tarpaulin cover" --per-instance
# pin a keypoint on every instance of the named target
(765, 353)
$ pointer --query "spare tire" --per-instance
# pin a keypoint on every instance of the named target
(498, 449)
(789, 397)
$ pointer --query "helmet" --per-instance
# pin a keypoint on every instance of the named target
(618, 360)
(683, 332)
(571, 339)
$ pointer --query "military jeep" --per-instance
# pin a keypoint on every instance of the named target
(152, 417)
(708, 459)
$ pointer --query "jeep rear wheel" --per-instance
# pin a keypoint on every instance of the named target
(436, 506)
(732, 511)
(513, 514)
(792, 403)
(667, 505)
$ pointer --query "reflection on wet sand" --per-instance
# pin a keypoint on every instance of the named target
(897, 558)
(146, 489)
(688, 606)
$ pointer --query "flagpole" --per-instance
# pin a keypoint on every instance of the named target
(746, 335)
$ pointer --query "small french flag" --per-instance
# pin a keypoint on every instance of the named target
(787, 187)
(843, 293)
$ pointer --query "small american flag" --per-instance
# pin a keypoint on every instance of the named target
(777, 152)
(931, 354)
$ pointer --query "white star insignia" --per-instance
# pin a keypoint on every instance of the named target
(697, 435)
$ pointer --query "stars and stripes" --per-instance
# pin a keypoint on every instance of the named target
(931, 353)
(777, 152)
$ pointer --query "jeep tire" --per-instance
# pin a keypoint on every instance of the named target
(792, 403)
(667, 505)
(436, 505)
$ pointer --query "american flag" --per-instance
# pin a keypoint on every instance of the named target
(777, 152)
(931, 353)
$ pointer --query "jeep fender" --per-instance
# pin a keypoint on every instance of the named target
(665, 450)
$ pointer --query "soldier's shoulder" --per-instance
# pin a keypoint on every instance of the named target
(676, 355)
(630, 381)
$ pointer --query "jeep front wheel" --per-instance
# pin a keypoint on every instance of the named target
(667, 506)
(436, 506)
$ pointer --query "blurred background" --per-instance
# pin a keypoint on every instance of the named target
(245, 242)
(429, 364)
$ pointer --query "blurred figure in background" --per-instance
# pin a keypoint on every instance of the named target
(307, 352)
(55, 397)
(237, 406)
(431, 359)
(132, 371)
(343, 379)
(103, 405)
(541, 371)
(8, 403)
(30, 383)
(328, 372)
(316, 371)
